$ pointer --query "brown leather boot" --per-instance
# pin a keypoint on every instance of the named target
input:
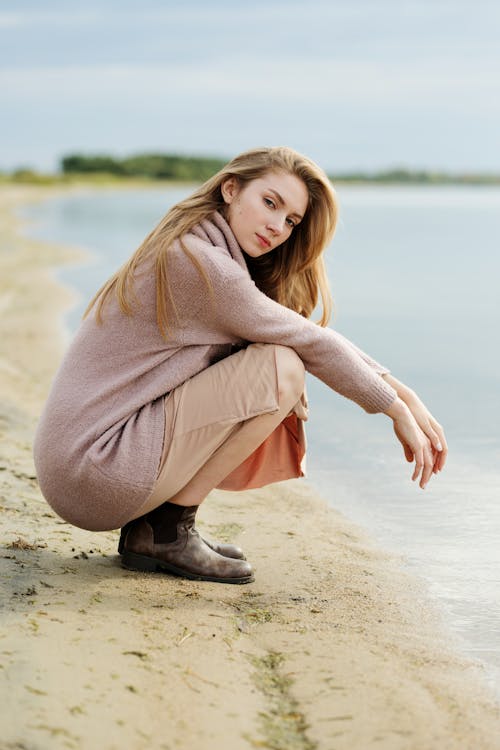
(165, 539)
(226, 550)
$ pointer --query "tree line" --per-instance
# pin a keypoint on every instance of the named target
(181, 168)
(199, 169)
(153, 166)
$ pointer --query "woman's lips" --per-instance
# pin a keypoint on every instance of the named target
(263, 241)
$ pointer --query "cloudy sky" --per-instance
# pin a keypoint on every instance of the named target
(355, 84)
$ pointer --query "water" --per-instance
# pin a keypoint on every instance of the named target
(414, 273)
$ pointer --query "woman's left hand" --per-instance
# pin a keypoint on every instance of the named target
(430, 427)
(427, 423)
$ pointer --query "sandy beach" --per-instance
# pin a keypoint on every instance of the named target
(333, 647)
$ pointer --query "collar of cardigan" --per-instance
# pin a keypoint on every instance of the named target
(217, 231)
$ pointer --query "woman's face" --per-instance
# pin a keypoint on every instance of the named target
(263, 213)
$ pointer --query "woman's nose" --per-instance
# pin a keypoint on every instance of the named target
(277, 224)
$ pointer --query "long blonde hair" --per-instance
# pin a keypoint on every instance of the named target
(292, 274)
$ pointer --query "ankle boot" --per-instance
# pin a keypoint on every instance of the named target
(166, 540)
(226, 550)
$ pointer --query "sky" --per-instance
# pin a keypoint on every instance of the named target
(354, 84)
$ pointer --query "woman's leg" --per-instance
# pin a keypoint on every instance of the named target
(249, 435)
(164, 536)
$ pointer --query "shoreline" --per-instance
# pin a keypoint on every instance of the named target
(334, 645)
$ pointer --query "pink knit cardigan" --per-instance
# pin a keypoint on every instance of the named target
(100, 437)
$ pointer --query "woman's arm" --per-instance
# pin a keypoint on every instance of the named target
(409, 412)
(380, 369)
(238, 310)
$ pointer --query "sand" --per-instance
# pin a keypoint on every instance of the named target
(334, 645)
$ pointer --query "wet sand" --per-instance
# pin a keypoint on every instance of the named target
(332, 647)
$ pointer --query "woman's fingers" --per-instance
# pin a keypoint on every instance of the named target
(441, 459)
(444, 453)
(408, 453)
(418, 467)
(422, 439)
(437, 449)
(433, 430)
(424, 465)
(436, 435)
(435, 440)
(443, 449)
(428, 466)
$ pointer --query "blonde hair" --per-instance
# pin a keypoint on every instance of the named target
(292, 274)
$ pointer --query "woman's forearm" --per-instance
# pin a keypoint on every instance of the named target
(404, 392)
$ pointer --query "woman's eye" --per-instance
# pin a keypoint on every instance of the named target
(269, 202)
(291, 223)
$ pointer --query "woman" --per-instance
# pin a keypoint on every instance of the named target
(187, 372)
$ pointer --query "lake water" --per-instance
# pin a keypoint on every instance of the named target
(414, 273)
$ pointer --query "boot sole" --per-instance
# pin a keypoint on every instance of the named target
(132, 561)
(121, 545)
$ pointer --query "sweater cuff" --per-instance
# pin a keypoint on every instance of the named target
(380, 397)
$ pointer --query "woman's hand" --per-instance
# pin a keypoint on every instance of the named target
(416, 444)
(429, 426)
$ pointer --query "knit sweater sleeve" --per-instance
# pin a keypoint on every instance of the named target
(380, 369)
(240, 309)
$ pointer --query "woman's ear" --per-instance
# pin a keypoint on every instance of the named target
(230, 189)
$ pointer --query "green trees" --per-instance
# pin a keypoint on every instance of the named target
(153, 166)
(103, 169)
(82, 164)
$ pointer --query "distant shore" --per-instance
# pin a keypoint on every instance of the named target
(383, 178)
(178, 169)
(333, 646)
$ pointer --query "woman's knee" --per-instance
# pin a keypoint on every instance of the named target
(291, 373)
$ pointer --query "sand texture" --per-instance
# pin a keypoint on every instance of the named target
(332, 647)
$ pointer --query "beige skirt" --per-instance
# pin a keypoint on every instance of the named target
(204, 411)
